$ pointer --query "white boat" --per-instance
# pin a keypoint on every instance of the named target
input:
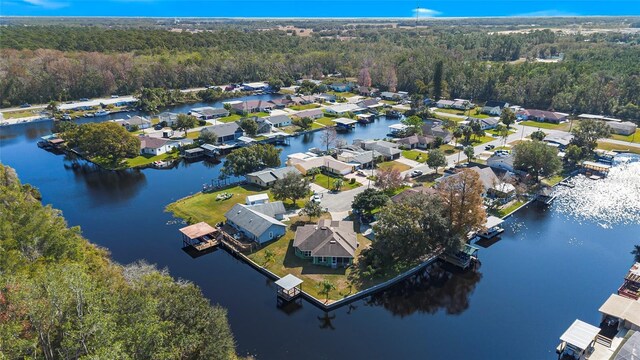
(102, 113)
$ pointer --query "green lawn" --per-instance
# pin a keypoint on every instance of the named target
(444, 116)
(19, 114)
(608, 146)
(345, 94)
(628, 138)
(481, 140)
(448, 149)
(451, 111)
(305, 107)
(542, 125)
(394, 164)
(205, 207)
(495, 132)
(553, 180)
(230, 118)
(414, 155)
(325, 120)
(193, 134)
(327, 182)
(148, 159)
(513, 206)
(286, 262)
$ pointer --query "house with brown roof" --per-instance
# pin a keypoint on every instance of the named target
(155, 146)
(541, 116)
(252, 106)
(311, 114)
(416, 141)
(328, 243)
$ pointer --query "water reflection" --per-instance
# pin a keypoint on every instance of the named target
(440, 287)
(326, 321)
(106, 186)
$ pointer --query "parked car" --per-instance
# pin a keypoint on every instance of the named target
(360, 173)
(115, 96)
(158, 127)
(84, 99)
(316, 198)
(25, 105)
(416, 173)
(489, 147)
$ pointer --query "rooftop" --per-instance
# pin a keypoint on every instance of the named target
(197, 230)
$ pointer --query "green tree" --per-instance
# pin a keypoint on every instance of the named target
(337, 184)
(303, 123)
(275, 84)
(437, 80)
(389, 179)
(53, 108)
(207, 137)
(313, 172)
(249, 125)
(536, 158)
(574, 154)
(507, 117)
(185, 122)
(269, 256)
(538, 135)
(312, 209)
(477, 129)
(588, 132)
(436, 159)
(636, 253)
(107, 141)
(414, 125)
(291, 186)
(469, 152)
(251, 158)
(326, 287)
(467, 132)
(369, 200)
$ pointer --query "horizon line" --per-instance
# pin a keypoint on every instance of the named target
(413, 18)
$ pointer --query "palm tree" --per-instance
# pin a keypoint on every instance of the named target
(268, 256)
(469, 152)
(325, 288)
(337, 184)
(636, 253)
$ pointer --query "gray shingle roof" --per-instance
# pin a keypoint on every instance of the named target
(272, 209)
(278, 119)
(327, 238)
(148, 142)
(250, 220)
(222, 130)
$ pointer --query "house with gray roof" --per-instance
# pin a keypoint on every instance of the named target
(493, 107)
(486, 123)
(226, 131)
(253, 224)
(328, 243)
(437, 130)
(269, 176)
(388, 150)
(168, 117)
(279, 120)
(134, 122)
(208, 112)
(274, 209)
(622, 128)
(416, 141)
(311, 114)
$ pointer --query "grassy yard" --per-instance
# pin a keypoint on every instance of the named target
(325, 120)
(450, 111)
(20, 113)
(205, 207)
(148, 159)
(415, 155)
(345, 94)
(327, 182)
(608, 146)
(305, 107)
(496, 133)
(394, 164)
(230, 118)
(448, 149)
(512, 206)
(286, 262)
(628, 138)
(444, 116)
(542, 125)
(193, 134)
(554, 180)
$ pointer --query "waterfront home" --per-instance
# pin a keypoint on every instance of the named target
(559, 139)
(360, 159)
(487, 177)
(328, 243)
(207, 113)
(436, 130)
(541, 116)
(578, 341)
(155, 146)
(264, 126)
(305, 162)
(253, 224)
(503, 192)
(134, 122)
(619, 313)
(342, 109)
(416, 142)
(279, 120)
(269, 176)
(340, 87)
(311, 114)
(168, 117)
(388, 150)
(370, 104)
(394, 96)
(631, 286)
(303, 100)
(501, 161)
(257, 199)
(210, 150)
(622, 128)
(493, 107)
(367, 91)
(225, 132)
(252, 106)
(325, 98)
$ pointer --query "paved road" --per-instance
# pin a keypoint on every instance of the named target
(340, 201)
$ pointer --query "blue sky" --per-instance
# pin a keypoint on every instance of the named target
(315, 8)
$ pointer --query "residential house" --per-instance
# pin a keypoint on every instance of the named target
(486, 123)
(255, 86)
(328, 243)
(501, 162)
(279, 120)
(445, 104)
(370, 104)
(264, 126)
(269, 176)
(397, 130)
(388, 150)
(461, 104)
(325, 98)
(622, 128)
(226, 132)
(253, 224)
(134, 122)
(416, 141)
(340, 87)
(303, 100)
(559, 140)
(312, 114)
(252, 106)
(257, 199)
(358, 157)
(367, 91)
(280, 103)
(394, 96)
(493, 107)
(435, 129)
(306, 162)
(342, 109)
(207, 113)
(597, 117)
(315, 82)
(487, 177)
(541, 116)
(155, 146)
(273, 209)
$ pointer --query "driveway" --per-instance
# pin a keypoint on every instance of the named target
(341, 201)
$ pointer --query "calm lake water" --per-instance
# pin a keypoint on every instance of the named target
(549, 268)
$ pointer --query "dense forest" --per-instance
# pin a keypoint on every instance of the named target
(600, 72)
(62, 298)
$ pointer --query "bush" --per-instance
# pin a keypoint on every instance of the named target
(352, 181)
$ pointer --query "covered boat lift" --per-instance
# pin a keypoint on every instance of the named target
(462, 258)
(200, 236)
(492, 228)
(288, 287)
(344, 124)
(577, 341)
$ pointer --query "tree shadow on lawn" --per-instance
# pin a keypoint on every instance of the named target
(291, 260)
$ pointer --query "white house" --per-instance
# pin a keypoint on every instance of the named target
(342, 109)
(257, 199)
(168, 117)
(493, 107)
(156, 146)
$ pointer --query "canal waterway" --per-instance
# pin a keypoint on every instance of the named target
(550, 267)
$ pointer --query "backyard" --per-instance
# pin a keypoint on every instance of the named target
(326, 182)
(143, 160)
(635, 138)
(394, 164)
(305, 107)
(543, 125)
(325, 120)
(618, 147)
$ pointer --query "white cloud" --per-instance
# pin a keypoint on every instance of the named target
(546, 13)
(47, 4)
(426, 13)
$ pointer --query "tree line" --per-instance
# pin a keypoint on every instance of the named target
(63, 298)
(597, 75)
